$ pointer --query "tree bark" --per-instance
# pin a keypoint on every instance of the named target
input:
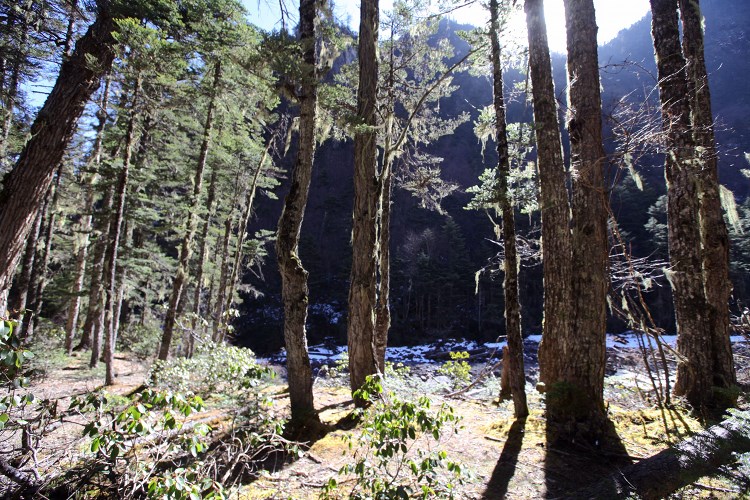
(186, 249)
(362, 287)
(674, 468)
(115, 234)
(516, 375)
(555, 207)
(30, 297)
(39, 281)
(585, 348)
(294, 291)
(383, 308)
(717, 284)
(18, 299)
(695, 370)
(26, 185)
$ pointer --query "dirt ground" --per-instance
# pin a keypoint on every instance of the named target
(506, 459)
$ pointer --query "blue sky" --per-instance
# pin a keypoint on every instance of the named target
(612, 15)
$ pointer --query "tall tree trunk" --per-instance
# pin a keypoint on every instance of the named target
(115, 234)
(555, 207)
(383, 307)
(26, 185)
(202, 250)
(362, 287)
(714, 235)
(19, 298)
(186, 249)
(86, 221)
(695, 370)
(582, 372)
(218, 327)
(294, 291)
(516, 375)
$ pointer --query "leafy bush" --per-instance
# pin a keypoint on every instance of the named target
(13, 357)
(117, 439)
(457, 369)
(387, 463)
(214, 367)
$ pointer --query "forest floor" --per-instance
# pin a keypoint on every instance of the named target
(500, 458)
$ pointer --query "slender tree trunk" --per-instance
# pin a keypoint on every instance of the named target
(115, 234)
(383, 308)
(555, 207)
(186, 249)
(695, 371)
(203, 249)
(19, 298)
(582, 372)
(26, 185)
(516, 375)
(362, 287)
(223, 278)
(714, 235)
(86, 222)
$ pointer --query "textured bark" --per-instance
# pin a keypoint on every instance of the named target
(585, 347)
(85, 225)
(114, 236)
(554, 204)
(18, 299)
(516, 376)
(39, 280)
(29, 308)
(674, 468)
(383, 308)
(26, 185)
(202, 251)
(717, 284)
(294, 291)
(186, 249)
(362, 286)
(694, 372)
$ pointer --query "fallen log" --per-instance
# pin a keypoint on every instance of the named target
(676, 467)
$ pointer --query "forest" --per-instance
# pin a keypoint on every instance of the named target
(261, 249)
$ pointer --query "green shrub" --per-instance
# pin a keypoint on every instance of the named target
(457, 369)
(13, 358)
(214, 367)
(386, 463)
